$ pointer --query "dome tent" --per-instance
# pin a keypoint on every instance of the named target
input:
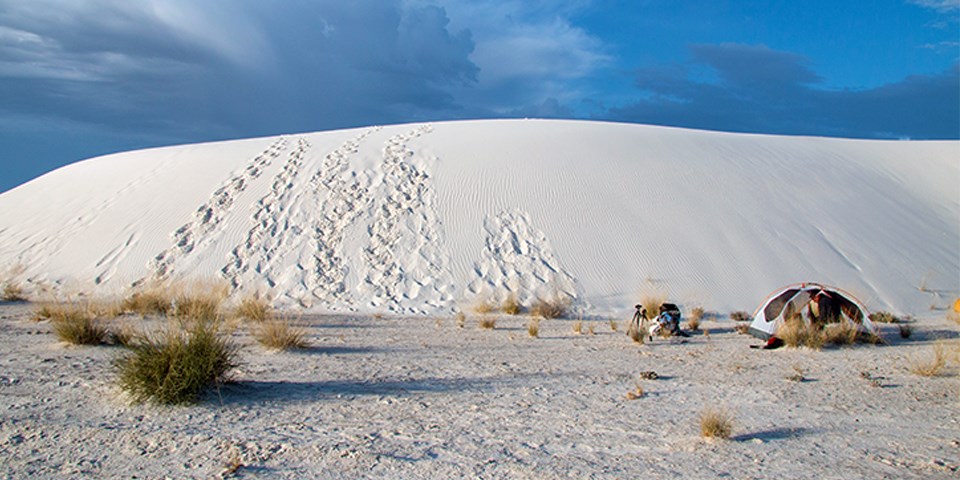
(835, 305)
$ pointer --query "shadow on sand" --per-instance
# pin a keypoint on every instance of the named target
(250, 392)
(773, 434)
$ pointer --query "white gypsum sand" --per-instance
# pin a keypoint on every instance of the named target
(426, 218)
(411, 398)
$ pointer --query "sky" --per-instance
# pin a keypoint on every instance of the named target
(80, 78)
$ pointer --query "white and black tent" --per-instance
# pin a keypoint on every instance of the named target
(833, 305)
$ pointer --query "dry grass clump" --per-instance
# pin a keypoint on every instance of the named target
(511, 306)
(884, 317)
(930, 367)
(694, 319)
(199, 305)
(842, 333)
(255, 309)
(152, 301)
(716, 423)
(614, 326)
(281, 335)
(742, 328)
(488, 323)
(636, 393)
(82, 323)
(741, 316)
(636, 335)
(177, 365)
(533, 327)
(13, 292)
(556, 307)
(461, 319)
(484, 306)
(578, 327)
(797, 333)
(651, 302)
(79, 327)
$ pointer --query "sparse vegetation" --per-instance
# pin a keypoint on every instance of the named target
(636, 393)
(797, 375)
(742, 328)
(488, 322)
(885, 317)
(651, 302)
(578, 327)
(842, 333)
(694, 319)
(255, 309)
(152, 301)
(484, 306)
(590, 329)
(614, 326)
(461, 319)
(79, 327)
(716, 423)
(796, 333)
(281, 335)
(533, 327)
(557, 307)
(930, 367)
(13, 292)
(741, 316)
(636, 335)
(511, 306)
(177, 365)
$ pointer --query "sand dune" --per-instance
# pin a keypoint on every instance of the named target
(425, 218)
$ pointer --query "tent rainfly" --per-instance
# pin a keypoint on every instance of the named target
(828, 304)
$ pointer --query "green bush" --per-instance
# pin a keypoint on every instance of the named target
(178, 365)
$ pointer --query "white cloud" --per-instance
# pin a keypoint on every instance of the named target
(939, 5)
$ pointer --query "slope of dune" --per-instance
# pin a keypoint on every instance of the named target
(427, 218)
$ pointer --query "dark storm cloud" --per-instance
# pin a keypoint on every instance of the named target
(748, 88)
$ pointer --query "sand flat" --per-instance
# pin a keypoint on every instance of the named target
(415, 397)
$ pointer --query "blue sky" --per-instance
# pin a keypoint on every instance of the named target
(80, 78)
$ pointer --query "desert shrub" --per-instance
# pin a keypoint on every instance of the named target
(204, 306)
(614, 326)
(590, 329)
(281, 335)
(797, 333)
(557, 307)
(578, 327)
(842, 333)
(741, 316)
(511, 306)
(254, 308)
(742, 328)
(533, 327)
(651, 302)
(13, 292)
(930, 367)
(635, 335)
(153, 301)
(488, 323)
(461, 319)
(79, 327)
(177, 365)
(636, 393)
(484, 306)
(884, 317)
(716, 423)
(695, 317)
